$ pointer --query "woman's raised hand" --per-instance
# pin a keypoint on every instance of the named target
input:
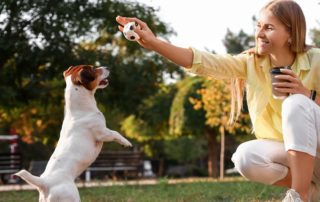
(147, 38)
(180, 56)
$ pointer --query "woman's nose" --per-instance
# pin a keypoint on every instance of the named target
(259, 32)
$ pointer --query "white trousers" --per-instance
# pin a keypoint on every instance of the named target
(266, 161)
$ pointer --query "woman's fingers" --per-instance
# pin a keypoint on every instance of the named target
(120, 28)
(294, 86)
(290, 83)
(142, 24)
(285, 85)
(147, 37)
(289, 72)
(122, 20)
(286, 77)
(140, 32)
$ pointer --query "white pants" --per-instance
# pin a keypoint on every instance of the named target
(266, 161)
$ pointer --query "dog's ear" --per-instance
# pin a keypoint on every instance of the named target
(81, 75)
(87, 76)
(73, 71)
(67, 72)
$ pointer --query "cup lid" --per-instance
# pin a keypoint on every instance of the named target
(276, 70)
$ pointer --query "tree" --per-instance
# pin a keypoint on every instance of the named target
(151, 121)
(199, 108)
(184, 120)
(315, 36)
(40, 39)
(215, 101)
(236, 43)
(149, 127)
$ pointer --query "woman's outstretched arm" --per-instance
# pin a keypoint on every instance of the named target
(180, 56)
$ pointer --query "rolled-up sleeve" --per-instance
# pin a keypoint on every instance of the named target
(220, 66)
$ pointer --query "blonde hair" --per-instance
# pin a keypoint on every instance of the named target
(290, 14)
(292, 17)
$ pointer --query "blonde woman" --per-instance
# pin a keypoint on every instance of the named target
(287, 149)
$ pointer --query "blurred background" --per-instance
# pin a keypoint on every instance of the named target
(177, 122)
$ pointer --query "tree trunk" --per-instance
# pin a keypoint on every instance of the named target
(212, 153)
(161, 167)
(222, 133)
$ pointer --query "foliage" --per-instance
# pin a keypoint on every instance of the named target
(185, 149)
(214, 95)
(153, 124)
(197, 107)
(40, 39)
(137, 129)
(151, 121)
(149, 127)
(315, 36)
(236, 43)
(183, 118)
(215, 101)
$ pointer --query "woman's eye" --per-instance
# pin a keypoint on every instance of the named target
(269, 28)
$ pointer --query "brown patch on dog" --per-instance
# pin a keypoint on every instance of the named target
(84, 75)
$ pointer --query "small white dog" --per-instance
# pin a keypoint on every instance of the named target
(81, 138)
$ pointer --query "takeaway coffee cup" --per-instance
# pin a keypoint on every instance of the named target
(273, 72)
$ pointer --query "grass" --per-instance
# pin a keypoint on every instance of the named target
(163, 191)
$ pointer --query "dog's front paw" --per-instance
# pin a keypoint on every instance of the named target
(117, 137)
(125, 142)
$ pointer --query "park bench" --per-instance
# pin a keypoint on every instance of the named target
(10, 163)
(115, 162)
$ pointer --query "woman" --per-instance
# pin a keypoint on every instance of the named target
(287, 149)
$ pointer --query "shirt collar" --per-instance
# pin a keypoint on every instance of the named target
(301, 63)
(264, 62)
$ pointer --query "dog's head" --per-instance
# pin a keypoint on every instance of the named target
(88, 76)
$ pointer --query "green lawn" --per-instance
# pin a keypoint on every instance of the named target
(186, 192)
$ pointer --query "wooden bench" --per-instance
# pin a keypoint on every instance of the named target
(113, 162)
(9, 164)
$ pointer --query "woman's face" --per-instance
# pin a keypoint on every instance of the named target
(271, 35)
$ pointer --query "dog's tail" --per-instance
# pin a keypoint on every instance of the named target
(31, 179)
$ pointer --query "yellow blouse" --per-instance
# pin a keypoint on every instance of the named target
(264, 110)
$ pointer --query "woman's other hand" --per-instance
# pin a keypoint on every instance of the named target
(293, 84)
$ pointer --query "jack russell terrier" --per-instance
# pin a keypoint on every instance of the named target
(81, 138)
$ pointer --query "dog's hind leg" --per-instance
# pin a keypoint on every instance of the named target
(65, 192)
(111, 135)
